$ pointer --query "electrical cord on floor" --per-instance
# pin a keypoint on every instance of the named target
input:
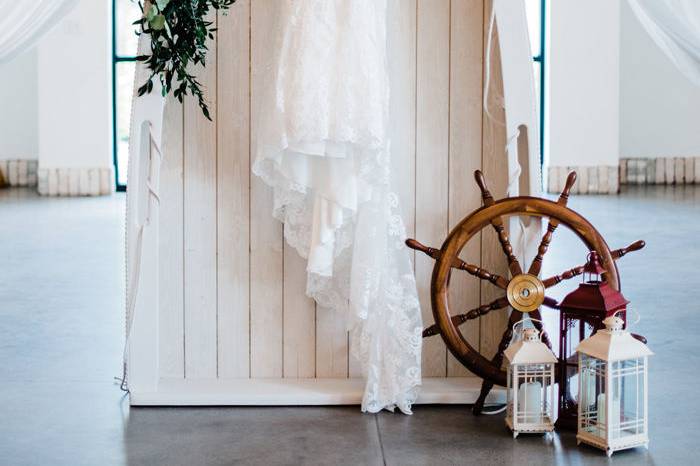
(122, 380)
(495, 411)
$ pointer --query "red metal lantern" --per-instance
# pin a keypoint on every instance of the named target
(581, 314)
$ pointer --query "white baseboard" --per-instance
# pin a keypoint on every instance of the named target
(75, 181)
(660, 170)
(300, 392)
(19, 172)
(603, 179)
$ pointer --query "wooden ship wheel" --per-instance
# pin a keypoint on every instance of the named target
(523, 291)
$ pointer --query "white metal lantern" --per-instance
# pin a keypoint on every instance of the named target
(530, 384)
(612, 408)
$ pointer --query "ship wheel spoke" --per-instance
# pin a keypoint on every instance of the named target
(569, 274)
(513, 264)
(551, 227)
(636, 246)
(457, 263)
(484, 274)
(576, 271)
(550, 303)
(497, 223)
(458, 320)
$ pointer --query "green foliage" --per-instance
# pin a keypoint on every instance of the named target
(179, 34)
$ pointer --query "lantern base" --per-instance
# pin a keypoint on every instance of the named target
(611, 446)
(543, 427)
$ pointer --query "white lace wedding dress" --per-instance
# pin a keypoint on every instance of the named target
(322, 144)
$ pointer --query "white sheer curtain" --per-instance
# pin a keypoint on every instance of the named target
(675, 27)
(23, 22)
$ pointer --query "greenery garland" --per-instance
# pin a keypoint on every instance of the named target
(179, 34)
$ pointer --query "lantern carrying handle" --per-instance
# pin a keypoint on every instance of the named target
(639, 316)
(522, 321)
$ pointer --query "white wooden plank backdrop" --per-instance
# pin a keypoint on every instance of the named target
(231, 293)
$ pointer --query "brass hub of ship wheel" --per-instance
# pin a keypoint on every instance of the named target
(525, 292)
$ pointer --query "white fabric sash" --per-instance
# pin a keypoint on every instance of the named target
(674, 25)
(22, 23)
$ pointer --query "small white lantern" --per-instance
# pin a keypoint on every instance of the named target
(530, 384)
(612, 407)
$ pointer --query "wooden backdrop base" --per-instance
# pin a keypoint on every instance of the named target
(281, 392)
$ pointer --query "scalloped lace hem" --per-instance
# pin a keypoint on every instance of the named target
(371, 280)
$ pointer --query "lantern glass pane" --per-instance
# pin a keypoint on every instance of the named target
(628, 398)
(532, 403)
(575, 331)
(592, 396)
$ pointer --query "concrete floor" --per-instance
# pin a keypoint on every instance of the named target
(61, 327)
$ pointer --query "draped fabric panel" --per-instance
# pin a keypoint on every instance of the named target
(24, 22)
(674, 25)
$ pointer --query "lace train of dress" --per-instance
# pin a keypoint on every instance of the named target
(322, 145)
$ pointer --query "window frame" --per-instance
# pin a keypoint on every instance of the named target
(541, 60)
(116, 59)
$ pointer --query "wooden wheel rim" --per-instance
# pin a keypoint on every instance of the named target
(464, 231)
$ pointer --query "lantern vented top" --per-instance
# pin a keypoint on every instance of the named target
(614, 343)
(531, 334)
(614, 324)
(529, 349)
(593, 266)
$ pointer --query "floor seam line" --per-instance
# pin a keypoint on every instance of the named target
(379, 436)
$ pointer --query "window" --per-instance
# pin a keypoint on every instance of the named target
(536, 19)
(124, 44)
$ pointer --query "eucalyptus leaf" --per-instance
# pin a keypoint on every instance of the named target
(158, 22)
(150, 13)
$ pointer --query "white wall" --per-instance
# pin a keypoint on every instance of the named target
(612, 92)
(584, 83)
(659, 107)
(18, 108)
(74, 90)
